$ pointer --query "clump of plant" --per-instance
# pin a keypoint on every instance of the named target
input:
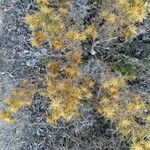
(127, 110)
(64, 86)
(123, 15)
(52, 24)
(19, 98)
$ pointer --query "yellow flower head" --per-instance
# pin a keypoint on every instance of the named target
(91, 31)
(70, 112)
(129, 31)
(57, 44)
(124, 123)
(56, 104)
(7, 116)
(32, 21)
(54, 117)
(137, 13)
(73, 35)
(38, 38)
(137, 146)
(108, 111)
(82, 36)
(72, 72)
(75, 57)
(63, 11)
(54, 67)
(88, 82)
(109, 16)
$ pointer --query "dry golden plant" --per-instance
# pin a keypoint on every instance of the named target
(127, 110)
(66, 87)
(123, 15)
(19, 97)
(52, 25)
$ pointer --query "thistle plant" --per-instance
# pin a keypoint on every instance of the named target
(124, 14)
(19, 98)
(52, 25)
(64, 86)
(127, 110)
